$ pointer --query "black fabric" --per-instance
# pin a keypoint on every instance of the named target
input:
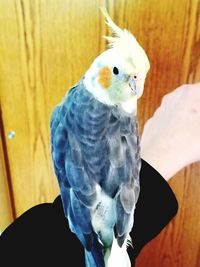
(41, 235)
(156, 206)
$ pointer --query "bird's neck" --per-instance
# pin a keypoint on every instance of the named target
(129, 106)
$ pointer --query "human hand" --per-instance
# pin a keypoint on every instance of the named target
(171, 137)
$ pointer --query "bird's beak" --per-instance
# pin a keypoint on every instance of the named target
(137, 86)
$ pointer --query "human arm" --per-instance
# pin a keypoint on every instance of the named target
(171, 137)
(156, 207)
(42, 233)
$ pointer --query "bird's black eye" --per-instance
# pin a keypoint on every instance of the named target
(115, 70)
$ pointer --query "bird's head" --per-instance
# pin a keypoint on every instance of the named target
(117, 76)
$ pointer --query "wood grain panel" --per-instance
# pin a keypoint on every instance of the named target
(6, 213)
(47, 45)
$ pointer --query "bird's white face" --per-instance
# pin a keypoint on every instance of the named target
(116, 80)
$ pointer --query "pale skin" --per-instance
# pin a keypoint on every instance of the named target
(171, 137)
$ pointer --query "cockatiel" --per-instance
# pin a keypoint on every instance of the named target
(95, 149)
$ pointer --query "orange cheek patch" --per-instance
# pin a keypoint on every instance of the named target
(105, 77)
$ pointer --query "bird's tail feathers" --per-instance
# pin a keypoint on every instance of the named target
(114, 256)
(94, 256)
(118, 255)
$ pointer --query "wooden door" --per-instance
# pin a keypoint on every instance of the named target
(45, 48)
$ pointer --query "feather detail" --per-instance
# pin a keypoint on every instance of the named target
(119, 37)
(126, 43)
(118, 256)
(113, 27)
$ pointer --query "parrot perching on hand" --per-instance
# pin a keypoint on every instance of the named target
(96, 153)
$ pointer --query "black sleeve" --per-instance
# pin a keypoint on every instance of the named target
(156, 206)
(42, 236)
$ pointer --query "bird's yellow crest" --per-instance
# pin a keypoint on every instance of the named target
(125, 42)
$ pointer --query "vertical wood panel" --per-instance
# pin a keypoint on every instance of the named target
(6, 214)
(47, 45)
